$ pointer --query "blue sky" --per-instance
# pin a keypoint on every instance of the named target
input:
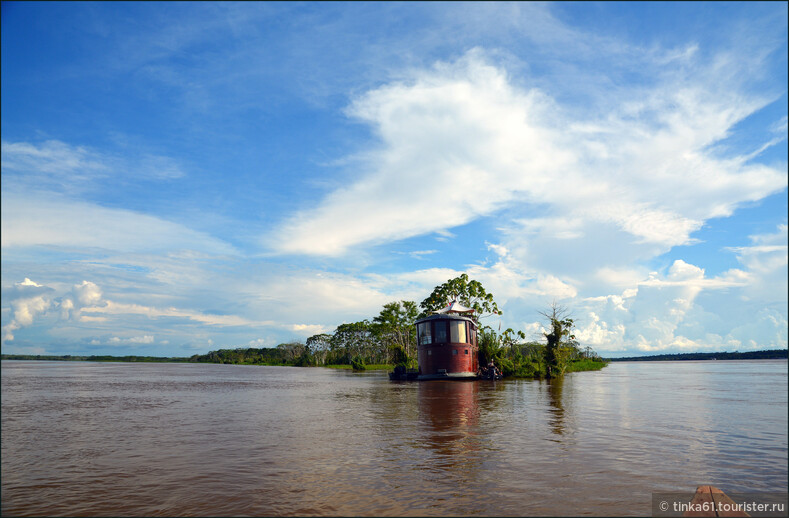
(182, 177)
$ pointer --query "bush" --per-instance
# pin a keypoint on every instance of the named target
(506, 366)
(528, 369)
(357, 363)
(305, 360)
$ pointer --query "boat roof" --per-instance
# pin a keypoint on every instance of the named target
(455, 307)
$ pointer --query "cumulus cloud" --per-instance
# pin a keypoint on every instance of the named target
(665, 312)
(28, 300)
(462, 140)
(82, 295)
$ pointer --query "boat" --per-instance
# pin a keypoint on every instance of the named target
(490, 373)
(447, 344)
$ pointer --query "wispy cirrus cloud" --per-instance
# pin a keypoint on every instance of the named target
(52, 220)
(57, 165)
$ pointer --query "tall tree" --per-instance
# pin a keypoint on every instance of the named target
(356, 339)
(318, 346)
(470, 293)
(561, 341)
(394, 327)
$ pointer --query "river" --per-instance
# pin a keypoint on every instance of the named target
(149, 439)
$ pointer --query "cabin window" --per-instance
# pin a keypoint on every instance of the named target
(473, 336)
(466, 351)
(441, 332)
(424, 333)
(454, 352)
(457, 330)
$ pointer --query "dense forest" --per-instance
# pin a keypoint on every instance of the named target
(772, 354)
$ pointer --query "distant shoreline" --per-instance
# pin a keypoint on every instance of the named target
(772, 354)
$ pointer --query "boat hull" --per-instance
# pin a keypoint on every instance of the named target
(448, 376)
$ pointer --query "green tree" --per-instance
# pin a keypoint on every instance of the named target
(354, 339)
(319, 347)
(394, 328)
(561, 341)
(292, 351)
(470, 293)
(489, 347)
(357, 363)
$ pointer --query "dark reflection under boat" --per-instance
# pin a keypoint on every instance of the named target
(449, 415)
(451, 418)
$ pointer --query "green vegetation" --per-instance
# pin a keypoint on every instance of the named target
(533, 359)
(357, 363)
(508, 351)
(586, 364)
(469, 293)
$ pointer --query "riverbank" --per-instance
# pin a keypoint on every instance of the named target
(576, 366)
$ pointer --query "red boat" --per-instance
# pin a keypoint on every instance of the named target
(447, 344)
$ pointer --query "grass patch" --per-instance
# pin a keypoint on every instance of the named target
(586, 365)
(379, 367)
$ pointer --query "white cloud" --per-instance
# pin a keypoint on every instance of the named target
(120, 308)
(28, 300)
(57, 164)
(666, 312)
(133, 340)
(50, 220)
(82, 295)
(765, 263)
(51, 157)
(461, 140)
(458, 141)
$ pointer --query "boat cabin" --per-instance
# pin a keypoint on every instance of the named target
(447, 344)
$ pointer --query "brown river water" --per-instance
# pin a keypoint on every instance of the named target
(124, 439)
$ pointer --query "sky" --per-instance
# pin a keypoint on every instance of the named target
(182, 177)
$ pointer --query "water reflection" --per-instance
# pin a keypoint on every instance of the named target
(555, 388)
(449, 411)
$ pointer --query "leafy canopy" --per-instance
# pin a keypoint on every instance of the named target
(470, 293)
